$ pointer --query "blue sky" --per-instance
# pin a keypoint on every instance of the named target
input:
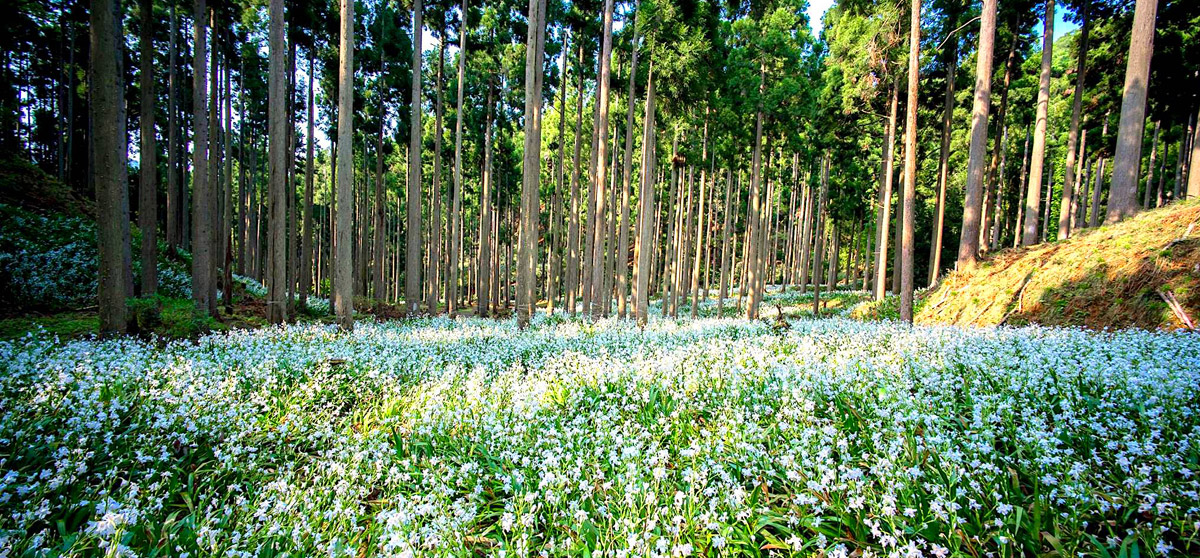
(817, 8)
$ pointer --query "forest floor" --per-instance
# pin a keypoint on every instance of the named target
(713, 436)
(1126, 275)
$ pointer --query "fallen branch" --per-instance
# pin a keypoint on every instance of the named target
(1177, 308)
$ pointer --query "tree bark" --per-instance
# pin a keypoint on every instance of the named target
(343, 292)
(531, 167)
(935, 247)
(1127, 162)
(1068, 194)
(148, 181)
(601, 176)
(456, 205)
(885, 202)
(306, 242)
(1038, 159)
(968, 244)
(627, 178)
(572, 290)
(910, 165)
(173, 184)
(277, 168)
(487, 233)
(1148, 197)
(202, 200)
(754, 234)
(108, 151)
(645, 248)
(412, 260)
(819, 233)
(433, 277)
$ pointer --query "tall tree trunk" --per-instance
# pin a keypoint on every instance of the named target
(1037, 162)
(573, 255)
(601, 176)
(728, 209)
(996, 226)
(306, 243)
(935, 248)
(627, 178)
(380, 250)
(1079, 199)
(214, 161)
(645, 247)
(1148, 197)
(412, 260)
(243, 184)
(531, 167)
(1094, 214)
(226, 227)
(108, 151)
(910, 165)
(1068, 193)
(173, 183)
(202, 200)
(754, 233)
(819, 233)
(277, 164)
(968, 244)
(433, 277)
(148, 183)
(487, 234)
(885, 202)
(1127, 162)
(343, 292)
(456, 205)
(1001, 121)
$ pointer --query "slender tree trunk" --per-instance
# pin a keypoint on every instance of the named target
(277, 164)
(627, 178)
(573, 223)
(202, 200)
(456, 208)
(1037, 163)
(885, 202)
(1079, 199)
(412, 260)
(1127, 162)
(910, 166)
(433, 277)
(1094, 215)
(343, 292)
(996, 227)
(1148, 195)
(935, 248)
(819, 226)
(214, 162)
(107, 115)
(728, 209)
(645, 247)
(1001, 121)
(148, 183)
(173, 185)
(968, 244)
(1068, 194)
(306, 243)
(226, 227)
(531, 167)
(601, 176)
(754, 234)
(487, 233)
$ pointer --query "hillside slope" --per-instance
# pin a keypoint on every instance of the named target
(1110, 277)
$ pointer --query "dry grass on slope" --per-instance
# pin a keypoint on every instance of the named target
(1111, 277)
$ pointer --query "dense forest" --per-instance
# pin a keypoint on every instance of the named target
(600, 278)
(446, 158)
